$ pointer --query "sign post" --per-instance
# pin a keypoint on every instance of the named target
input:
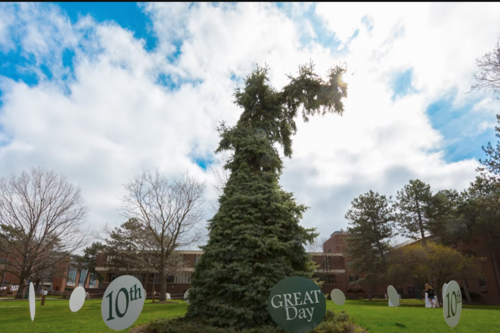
(122, 302)
(44, 292)
(296, 304)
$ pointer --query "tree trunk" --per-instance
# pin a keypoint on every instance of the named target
(369, 292)
(20, 290)
(421, 225)
(37, 284)
(3, 278)
(163, 285)
(4, 270)
(495, 270)
(466, 291)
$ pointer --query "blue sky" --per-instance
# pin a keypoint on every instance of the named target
(85, 87)
(129, 15)
(445, 118)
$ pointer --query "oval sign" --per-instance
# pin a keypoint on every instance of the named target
(31, 297)
(452, 304)
(393, 296)
(296, 304)
(77, 299)
(122, 302)
(444, 289)
(337, 296)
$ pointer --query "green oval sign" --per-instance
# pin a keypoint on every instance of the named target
(297, 304)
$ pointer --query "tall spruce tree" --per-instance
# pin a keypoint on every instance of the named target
(255, 239)
(415, 208)
(371, 221)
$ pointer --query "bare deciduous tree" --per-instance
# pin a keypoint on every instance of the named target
(41, 215)
(489, 75)
(317, 245)
(162, 218)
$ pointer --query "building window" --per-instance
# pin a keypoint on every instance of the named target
(154, 278)
(329, 250)
(182, 278)
(196, 258)
(482, 283)
(326, 263)
(83, 277)
(140, 276)
(170, 278)
(112, 276)
(71, 277)
(353, 278)
(93, 281)
(411, 290)
(330, 279)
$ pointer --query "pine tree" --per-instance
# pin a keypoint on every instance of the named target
(371, 220)
(415, 209)
(255, 239)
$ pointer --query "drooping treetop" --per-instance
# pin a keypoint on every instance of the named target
(274, 112)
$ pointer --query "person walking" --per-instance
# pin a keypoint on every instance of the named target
(430, 294)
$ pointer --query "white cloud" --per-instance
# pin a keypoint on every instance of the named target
(117, 119)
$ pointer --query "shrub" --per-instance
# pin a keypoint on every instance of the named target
(332, 323)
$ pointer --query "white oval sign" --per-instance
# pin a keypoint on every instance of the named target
(32, 301)
(122, 302)
(337, 296)
(452, 304)
(186, 296)
(77, 299)
(444, 289)
(393, 296)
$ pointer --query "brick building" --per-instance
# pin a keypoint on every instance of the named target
(332, 268)
(64, 280)
(483, 290)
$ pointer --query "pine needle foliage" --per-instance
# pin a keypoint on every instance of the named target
(255, 238)
(371, 225)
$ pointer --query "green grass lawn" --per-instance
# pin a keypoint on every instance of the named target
(376, 316)
(56, 316)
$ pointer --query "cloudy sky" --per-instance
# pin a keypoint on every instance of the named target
(97, 91)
